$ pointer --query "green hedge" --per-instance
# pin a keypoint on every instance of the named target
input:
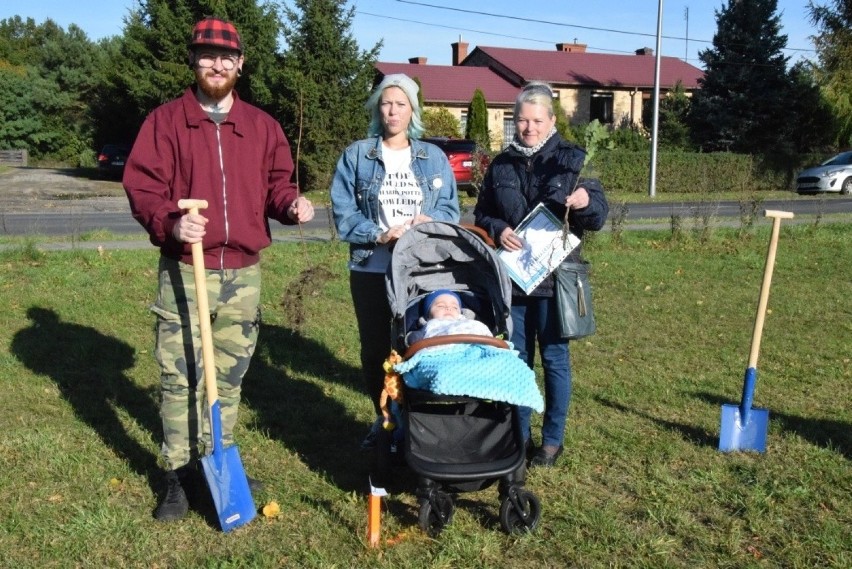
(628, 171)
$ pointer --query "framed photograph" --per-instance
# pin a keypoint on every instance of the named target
(545, 246)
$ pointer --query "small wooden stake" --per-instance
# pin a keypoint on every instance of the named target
(374, 519)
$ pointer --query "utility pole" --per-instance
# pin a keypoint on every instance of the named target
(652, 182)
(686, 49)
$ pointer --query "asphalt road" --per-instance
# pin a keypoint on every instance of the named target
(117, 219)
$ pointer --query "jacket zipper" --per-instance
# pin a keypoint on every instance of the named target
(224, 196)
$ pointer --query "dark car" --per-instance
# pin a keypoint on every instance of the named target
(111, 160)
(461, 154)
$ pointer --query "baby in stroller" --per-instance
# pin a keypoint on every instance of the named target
(462, 357)
(444, 316)
(462, 385)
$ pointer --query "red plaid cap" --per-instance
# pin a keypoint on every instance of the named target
(216, 33)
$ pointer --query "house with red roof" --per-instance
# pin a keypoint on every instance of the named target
(611, 88)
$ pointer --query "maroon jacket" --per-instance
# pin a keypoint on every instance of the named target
(243, 168)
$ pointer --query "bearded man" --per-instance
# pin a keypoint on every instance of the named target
(208, 144)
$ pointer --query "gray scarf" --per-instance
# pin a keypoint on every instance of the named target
(530, 150)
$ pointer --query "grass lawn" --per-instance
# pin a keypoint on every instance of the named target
(641, 483)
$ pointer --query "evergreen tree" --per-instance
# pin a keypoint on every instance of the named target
(563, 125)
(477, 121)
(673, 129)
(816, 126)
(742, 105)
(50, 75)
(420, 101)
(149, 64)
(325, 82)
(834, 70)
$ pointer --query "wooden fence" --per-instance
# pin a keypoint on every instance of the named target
(13, 157)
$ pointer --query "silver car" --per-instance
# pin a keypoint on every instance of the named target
(833, 175)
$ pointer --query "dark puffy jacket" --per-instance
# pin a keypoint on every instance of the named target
(515, 184)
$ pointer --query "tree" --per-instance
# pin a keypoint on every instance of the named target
(743, 101)
(325, 82)
(563, 125)
(49, 75)
(477, 120)
(672, 128)
(148, 66)
(816, 125)
(20, 40)
(834, 71)
(440, 122)
(420, 101)
(24, 107)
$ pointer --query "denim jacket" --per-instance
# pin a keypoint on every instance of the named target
(358, 179)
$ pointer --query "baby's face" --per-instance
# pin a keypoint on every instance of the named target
(445, 307)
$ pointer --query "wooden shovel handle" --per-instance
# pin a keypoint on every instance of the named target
(208, 358)
(776, 216)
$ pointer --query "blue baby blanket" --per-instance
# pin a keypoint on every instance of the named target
(473, 370)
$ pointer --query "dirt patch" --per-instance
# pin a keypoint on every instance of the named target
(31, 190)
(310, 282)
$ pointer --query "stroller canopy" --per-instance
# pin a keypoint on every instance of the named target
(435, 255)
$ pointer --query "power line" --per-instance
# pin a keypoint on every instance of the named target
(562, 24)
(537, 40)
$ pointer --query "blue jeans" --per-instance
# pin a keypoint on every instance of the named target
(536, 318)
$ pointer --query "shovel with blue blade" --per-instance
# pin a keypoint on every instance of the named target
(744, 427)
(223, 468)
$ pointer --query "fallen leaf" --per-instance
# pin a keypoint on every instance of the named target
(271, 509)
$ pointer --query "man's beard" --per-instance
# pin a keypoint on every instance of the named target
(215, 92)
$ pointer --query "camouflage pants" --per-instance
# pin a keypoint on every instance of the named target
(234, 297)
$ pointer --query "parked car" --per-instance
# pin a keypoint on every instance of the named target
(833, 175)
(111, 160)
(460, 152)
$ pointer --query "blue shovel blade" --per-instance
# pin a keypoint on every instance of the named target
(739, 433)
(228, 484)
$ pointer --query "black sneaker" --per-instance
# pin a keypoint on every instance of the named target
(546, 456)
(174, 504)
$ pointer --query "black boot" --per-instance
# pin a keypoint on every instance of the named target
(174, 504)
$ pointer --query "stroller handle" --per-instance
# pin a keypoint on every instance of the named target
(454, 339)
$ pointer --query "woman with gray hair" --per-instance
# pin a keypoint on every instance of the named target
(383, 185)
(539, 166)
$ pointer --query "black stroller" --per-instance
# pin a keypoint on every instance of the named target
(455, 443)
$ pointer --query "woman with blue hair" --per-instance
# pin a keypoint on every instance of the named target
(383, 185)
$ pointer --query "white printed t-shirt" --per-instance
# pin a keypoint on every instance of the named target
(400, 199)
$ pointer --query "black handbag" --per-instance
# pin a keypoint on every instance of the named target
(574, 300)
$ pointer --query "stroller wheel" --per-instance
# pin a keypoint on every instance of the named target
(520, 511)
(436, 512)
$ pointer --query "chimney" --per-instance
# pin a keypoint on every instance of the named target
(459, 51)
(645, 51)
(417, 60)
(572, 47)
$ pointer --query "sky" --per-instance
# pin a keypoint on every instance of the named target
(426, 28)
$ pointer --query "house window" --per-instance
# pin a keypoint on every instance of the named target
(600, 107)
(463, 123)
(508, 129)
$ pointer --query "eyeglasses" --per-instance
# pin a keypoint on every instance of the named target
(208, 60)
